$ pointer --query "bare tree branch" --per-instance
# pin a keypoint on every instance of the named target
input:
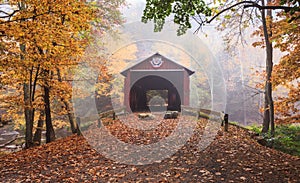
(285, 8)
(250, 4)
(228, 8)
(29, 18)
(8, 15)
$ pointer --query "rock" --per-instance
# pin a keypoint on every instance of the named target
(252, 134)
(146, 116)
(171, 115)
(261, 140)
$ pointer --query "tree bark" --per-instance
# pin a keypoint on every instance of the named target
(50, 134)
(38, 133)
(266, 118)
(28, 117)
(70, 114)
(269, 105)
(28, 110)
(71, 117)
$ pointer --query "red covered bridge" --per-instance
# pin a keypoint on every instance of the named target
(156, 73)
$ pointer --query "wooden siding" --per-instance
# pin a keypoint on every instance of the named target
(166, 67)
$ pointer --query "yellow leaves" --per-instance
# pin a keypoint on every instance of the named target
(58, 124)
(19, 123)
(54, 35)
(49, 38)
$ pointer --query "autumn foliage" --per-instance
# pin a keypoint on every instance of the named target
(286, 36)
(41, 42)
(284, 30)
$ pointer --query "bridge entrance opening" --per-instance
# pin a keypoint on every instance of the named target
(154, 93)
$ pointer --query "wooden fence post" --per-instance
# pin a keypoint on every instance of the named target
(114, 115)
(226, 122)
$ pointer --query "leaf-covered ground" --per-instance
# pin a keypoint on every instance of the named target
(231, 157)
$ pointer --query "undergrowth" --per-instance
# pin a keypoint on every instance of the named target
(286, 139)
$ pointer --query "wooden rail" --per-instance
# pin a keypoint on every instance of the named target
(208, 114)
(200, 113)
(89, 120)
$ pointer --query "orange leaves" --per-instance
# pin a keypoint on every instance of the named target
(46, 35)
(286, 36)
(45, 25)
(232, 157)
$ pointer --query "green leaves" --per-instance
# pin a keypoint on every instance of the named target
(227, 16)
(159, 10)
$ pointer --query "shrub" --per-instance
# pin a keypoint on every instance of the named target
(286, 139)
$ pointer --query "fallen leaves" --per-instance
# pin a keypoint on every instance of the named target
(231, 157)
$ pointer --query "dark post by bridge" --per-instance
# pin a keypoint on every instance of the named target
(226, 122)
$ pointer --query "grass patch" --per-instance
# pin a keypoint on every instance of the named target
(287, 138)
(254, 128)
(233, 122)
(203, 115)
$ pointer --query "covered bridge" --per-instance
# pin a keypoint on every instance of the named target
(156, 75)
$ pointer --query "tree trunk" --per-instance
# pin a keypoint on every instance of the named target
(78, 121)
(38, 133)
(71, 117)
(269, 105)
(73, 124)
(270, 97)
(28, 117)
(266, 118)
(50, 134)
(28, 111)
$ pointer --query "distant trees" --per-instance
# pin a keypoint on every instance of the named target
(41, 41)
(198, 10)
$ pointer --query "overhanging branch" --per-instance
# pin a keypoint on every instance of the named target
(285, 8)
(31, 17)
(230, 7)
(8, 15)
(251, 4)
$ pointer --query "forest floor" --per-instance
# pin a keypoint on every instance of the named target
(231, 157)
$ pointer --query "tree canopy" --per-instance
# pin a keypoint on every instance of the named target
(41, 41)
(201, 12)
(158, 11)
